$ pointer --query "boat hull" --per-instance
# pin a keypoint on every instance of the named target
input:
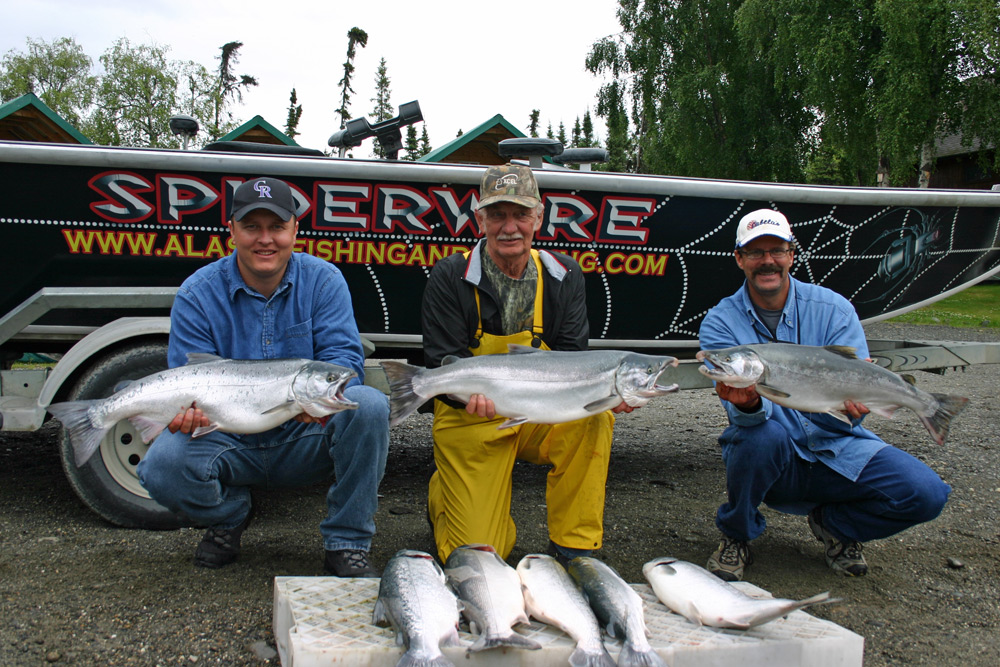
(656, 251)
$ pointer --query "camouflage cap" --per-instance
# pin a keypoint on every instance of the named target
(509, 182)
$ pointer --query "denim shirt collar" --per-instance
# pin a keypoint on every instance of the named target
(235, 281)
(789, 314)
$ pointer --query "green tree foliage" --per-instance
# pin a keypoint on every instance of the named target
(561, 134)
(136, 97)
(294, 114)
(140, 89)
(425, 142)
(533, 123)
(621, 148)
(355, 37)
(588, 139)
(58, 72)
(411, 145)
(887, 77)
(383, 104)
(229, 90)
(577, 135)
(795, 89)
(196, 92)
(701, 105)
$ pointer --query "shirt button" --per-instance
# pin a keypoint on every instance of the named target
(267, 342)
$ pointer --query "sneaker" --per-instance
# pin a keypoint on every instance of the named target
(564, 555)
(844, 558)
(219, 546)
(349, 563)
(729, 560)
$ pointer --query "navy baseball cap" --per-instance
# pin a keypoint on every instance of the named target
(272, 194)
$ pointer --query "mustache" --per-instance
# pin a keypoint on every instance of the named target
(766, 271)
(509, 237)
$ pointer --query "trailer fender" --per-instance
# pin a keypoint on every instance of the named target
(93, 344)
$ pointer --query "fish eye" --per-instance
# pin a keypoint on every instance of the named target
(330, 378)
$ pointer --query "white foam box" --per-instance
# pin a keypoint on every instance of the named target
(326, 620)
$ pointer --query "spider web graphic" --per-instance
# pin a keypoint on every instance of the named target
(883, 259)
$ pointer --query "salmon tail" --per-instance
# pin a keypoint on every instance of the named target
(634, 657)
(83, 435)
(583, 658)
(786, 607)
(403, 401)
(513, 640)
(821, 598)
(939, 423)
(414, 658)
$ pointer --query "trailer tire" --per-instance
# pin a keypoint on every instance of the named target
(107, 483)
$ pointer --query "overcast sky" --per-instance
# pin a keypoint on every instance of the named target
(464, 61)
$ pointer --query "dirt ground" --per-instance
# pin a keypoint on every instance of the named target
(75, 590)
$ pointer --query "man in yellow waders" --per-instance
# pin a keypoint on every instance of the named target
(502, 292)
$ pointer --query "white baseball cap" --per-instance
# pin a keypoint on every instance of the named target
(763, 222)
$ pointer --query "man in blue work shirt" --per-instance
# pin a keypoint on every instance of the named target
(266, 301)
(853, 486)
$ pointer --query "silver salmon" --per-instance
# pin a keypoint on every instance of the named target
(237, 396)
(490, 591)
(551, 596)
(704, 599)
(618, 609)
(820, 379)
(530, 385)
(414, 598)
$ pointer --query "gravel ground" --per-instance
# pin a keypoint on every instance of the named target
(75, 590)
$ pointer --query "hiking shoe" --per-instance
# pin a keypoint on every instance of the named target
(844, 558)
(729, 560)
(219, 546)
(349, 563)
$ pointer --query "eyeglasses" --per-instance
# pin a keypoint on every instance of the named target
(757, 253)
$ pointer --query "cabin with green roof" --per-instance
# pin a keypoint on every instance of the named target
(478, 145)
(259, 131)
(27, 118)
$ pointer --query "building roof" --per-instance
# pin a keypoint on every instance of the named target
(27, 118)
(257, 130)
(478, 145)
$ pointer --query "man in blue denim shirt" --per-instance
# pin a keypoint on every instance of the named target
(267, 302)
(853, 486)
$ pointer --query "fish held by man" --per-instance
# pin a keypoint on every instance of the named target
(819, 379)
(490, 591)
(533, 386)
(237, 397)
(415, 600)
(618, 609)
(551, 596)
(702, 598)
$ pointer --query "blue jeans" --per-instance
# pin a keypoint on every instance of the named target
(208, 478)
(893, 492)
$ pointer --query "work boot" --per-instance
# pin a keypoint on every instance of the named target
(730, 559)
(348, 563)
(843, 557)
(220, 546)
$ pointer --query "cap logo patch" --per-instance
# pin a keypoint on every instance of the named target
(508, 181)
(765, 221)
(263, 189)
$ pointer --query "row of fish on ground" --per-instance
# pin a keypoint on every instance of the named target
(526, 385)
(423, 603)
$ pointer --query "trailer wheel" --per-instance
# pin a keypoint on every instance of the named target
(108, 483)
